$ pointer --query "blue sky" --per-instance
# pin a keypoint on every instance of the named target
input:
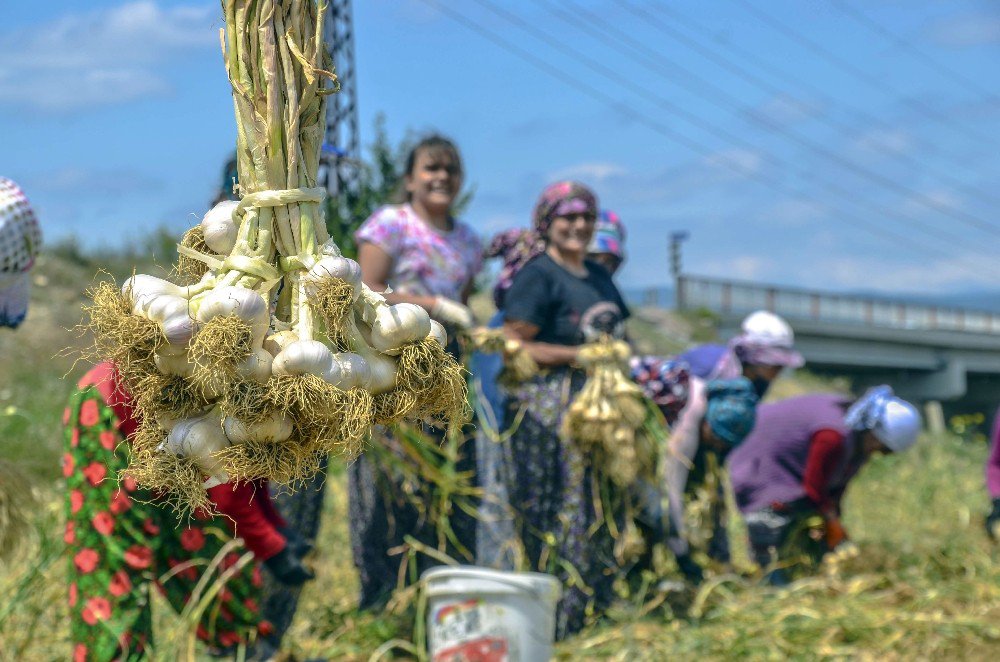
(880, 172)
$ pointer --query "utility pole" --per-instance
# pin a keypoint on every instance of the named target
(342, 147)
(676, 239)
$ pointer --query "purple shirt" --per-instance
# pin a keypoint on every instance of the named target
(993, 463)
(769, 466)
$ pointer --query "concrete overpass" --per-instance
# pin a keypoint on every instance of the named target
(927, 353)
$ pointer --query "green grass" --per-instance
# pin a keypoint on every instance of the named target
(927, 585)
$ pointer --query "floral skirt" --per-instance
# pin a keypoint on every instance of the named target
(389, 502)
(569, 517)
(121, 542)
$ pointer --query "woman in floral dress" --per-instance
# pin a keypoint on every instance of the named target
(421, 254)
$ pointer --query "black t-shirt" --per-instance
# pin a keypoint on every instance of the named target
(567, 309)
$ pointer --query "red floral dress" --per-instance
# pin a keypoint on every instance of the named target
(121, 541)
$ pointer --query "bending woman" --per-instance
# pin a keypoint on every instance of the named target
(801, 456)
(716, 418)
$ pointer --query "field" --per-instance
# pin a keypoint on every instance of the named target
(926, 586)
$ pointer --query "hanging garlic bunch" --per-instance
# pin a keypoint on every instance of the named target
(277, 354)
(608, 413)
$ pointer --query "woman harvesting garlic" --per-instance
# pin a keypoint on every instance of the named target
(122, 540)
(553, 304)
(417, 253)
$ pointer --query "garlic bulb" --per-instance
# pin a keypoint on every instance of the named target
(256, 367)
(438, 333)
(382, 373)
(179, 329)
(276, 342)
(240, 301)
(275, 428)
(197, 439)
(173, 364)
(219, 228)
(144, 289)
(334, 267)
(165, 305)
(303, 357)
(398, 325)
(347, 370)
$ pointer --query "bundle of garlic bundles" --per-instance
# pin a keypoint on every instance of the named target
(269, 352)
(518, 366)
(607, 417)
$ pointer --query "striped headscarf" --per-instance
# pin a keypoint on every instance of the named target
(609, 235)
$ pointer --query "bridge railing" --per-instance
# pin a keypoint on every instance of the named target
(735, 297)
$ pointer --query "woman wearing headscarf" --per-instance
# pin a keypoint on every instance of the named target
(801, 456)
(763, 348)
(20, 239)
(516, 247)
(607, 247)
(554, 300)
(716, 418)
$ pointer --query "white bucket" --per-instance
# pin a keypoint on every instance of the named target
(483, 615)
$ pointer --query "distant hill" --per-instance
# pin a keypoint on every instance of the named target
(987, 300)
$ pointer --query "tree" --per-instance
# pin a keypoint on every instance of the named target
(380, 182)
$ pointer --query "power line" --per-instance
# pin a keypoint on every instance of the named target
(695, 119)
(866, 21)
(614, 37)
(737, 69)
(861, 74)
(593, 92)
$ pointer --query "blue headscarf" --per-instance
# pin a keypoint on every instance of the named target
(732, 409)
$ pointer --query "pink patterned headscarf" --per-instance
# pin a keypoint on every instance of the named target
(517, 247)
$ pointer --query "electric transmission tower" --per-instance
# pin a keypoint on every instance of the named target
(341, 148)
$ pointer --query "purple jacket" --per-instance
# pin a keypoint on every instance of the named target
(768, 467)
(993, 463)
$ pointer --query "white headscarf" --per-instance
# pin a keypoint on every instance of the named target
(893, 421)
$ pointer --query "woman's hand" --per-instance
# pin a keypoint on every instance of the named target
(451, 312)
(544, 354)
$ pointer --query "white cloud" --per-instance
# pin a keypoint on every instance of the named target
(882, 141)
(922, 201)
(784, 110)
(793, 212)
(740, 267)
(101, 57)
(878, 274)
(967, 30)
(736, 161)
(595, 172)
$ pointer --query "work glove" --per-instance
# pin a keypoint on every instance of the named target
(834, 533)
(993, 521)
(452, 312)
(288, 569)
(690, 569)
